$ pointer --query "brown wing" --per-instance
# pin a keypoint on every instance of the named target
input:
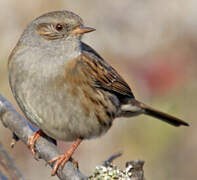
(104, 76)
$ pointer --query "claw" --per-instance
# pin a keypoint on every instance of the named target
(75, 163)
(32, 141)
(61, 160)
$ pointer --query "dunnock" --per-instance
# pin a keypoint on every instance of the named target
(65, 88)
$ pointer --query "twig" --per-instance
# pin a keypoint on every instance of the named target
(135, 168)
(111, 159)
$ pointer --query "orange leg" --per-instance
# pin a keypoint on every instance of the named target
(32, 141)
(62, 159)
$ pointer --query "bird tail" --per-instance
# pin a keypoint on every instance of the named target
(135, 107)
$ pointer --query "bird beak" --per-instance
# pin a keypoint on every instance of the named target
(82, 30)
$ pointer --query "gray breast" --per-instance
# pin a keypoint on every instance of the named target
(48, 106)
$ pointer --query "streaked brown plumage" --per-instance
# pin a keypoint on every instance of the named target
(65, 88)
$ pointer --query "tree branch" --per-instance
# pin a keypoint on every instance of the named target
(47, 150)
(15, 122)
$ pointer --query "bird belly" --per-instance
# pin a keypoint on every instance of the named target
(60, 115)
(71, 123)
(46, 99)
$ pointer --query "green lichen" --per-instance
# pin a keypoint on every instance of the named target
(111, 172)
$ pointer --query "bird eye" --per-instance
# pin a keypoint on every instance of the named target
(59, 27)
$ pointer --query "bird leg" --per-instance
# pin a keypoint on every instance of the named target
(62, 159)
(32, 141)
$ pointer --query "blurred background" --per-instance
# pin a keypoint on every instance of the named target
(153, 44)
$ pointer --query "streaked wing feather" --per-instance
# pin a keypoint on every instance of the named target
(104, 75)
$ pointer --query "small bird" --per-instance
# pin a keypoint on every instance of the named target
(65, 88)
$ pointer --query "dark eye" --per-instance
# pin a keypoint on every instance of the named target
(59, 27)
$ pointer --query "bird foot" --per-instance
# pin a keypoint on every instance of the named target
(61, 160)
(32, 141)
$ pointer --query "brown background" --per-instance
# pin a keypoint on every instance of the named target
(153, 45)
